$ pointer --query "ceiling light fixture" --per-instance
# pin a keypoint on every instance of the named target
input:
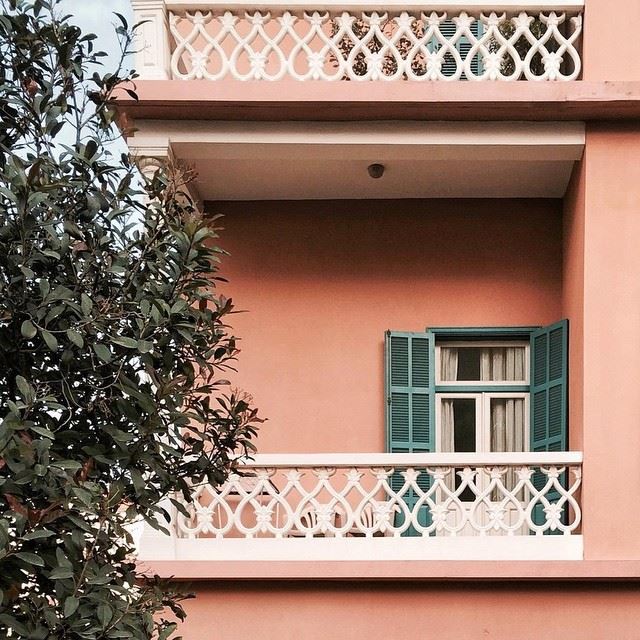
(375, 170)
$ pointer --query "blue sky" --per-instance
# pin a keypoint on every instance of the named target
(96, 16)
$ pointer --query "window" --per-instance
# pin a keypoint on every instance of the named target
(499, 418)
(475, 390)
(512, 380)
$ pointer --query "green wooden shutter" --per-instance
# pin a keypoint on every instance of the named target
(448, 29)
(549, 364)
(410, 404)
(549, 397)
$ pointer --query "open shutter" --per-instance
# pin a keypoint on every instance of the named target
(549, 391)
(549, 363)
(410, 399)
(448, 29)
(410, 392)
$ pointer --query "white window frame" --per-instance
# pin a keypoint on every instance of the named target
(483, 415)
(480, 344)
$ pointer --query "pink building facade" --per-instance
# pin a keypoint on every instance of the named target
(446, 354)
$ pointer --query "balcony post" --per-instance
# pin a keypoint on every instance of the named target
(157, 153)
(153, 53)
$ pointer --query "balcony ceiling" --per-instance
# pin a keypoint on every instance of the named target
(321, 160)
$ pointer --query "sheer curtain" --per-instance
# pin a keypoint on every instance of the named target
(502, 364)
(448, 371)
(507, 424)
(507, 433)
(447, 418)
(446, 424)
(448, 363)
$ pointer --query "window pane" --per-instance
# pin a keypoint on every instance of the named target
(458, 432)
(507, 431)
(458, 424)
(464, 411)
(507, 424)
(482, 364)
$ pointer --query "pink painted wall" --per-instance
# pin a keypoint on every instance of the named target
(610, 42)
(611, 342)
(410, 611)
(322, 281)
(573, 298)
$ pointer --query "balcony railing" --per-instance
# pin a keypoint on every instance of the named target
(476, 40)
(384, 506)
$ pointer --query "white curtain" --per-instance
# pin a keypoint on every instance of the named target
(507, 424)
(446, 425)
(507, 433)
(448, 364)
(447, 419)
(502, 364)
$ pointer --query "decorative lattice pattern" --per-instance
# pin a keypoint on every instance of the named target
(319, 45)
(478, 500)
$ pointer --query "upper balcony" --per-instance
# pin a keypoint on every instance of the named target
(509, 60)
(360, 41)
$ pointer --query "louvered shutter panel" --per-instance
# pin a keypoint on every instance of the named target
(549, 396)
(549, 351)
(448, 29)
(410, 396)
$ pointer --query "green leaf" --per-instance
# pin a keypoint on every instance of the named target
(61, 573)
(70, 606)
(86, 304)
(84, 495)
(130, 343)
(69, 465)
(27, 273)
(138, 481)
(43, 431)
(75, 337)
(30, 558)
(28, 329)
(37, 534)
(45, 287)
(105, 613)
(50, 340)
(144, 346)
(102, 351)
(26, 390)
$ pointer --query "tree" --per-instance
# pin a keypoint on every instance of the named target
(113, 344)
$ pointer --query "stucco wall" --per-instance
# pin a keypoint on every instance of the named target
(322, 281)
(573, 298)
(388, 611)
(611, 345)
(610, 49)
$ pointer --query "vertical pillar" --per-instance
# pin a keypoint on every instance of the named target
(611, 434)
(158, 153)
(153, 53)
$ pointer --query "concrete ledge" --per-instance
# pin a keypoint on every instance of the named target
(332, 101)
(412, 571)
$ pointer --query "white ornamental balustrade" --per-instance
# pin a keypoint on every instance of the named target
(214, 41)
(390, 495)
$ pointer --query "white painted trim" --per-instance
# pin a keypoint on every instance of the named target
(545, 141)
(472, 6)
(307, 460)
(463, 548)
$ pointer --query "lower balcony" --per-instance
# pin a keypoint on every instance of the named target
(391, 506)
